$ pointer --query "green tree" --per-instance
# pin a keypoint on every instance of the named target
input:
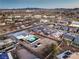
(54, 52)
(67, 42)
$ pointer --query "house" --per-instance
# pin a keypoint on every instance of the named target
(39, 46)
(74, 24)
(17, 16)
(64, 55)
(76, 41)
(37, 16)
(7, 44)
(74, 56)
(74, 38)
(44, 20)
(57, 34)
(68, 55)
(2, 24)
(69, 36)
(73, 29)
(65, 28)
(20, 34)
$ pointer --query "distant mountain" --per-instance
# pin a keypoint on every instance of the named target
(41, 9)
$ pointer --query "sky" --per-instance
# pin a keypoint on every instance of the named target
(39, 4)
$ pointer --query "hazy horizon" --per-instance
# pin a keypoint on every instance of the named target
(49, 4)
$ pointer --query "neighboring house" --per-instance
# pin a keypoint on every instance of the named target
(21, 33)
(68, 36)
(74, 24)
(65, 28)
(74, 38)
(74, 56)
(7, 44)
(76, 41)
(58, 34)
(73, 29)
(68, 55)
(64, 55)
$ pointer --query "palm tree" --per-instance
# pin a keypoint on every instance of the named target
(55, 50)
(67, 42)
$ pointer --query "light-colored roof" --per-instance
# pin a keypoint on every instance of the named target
(74, 25)
(60, 56)
(20, 34)
(10, 56)
(74, 56)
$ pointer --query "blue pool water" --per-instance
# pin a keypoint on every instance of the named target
(4, 55)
